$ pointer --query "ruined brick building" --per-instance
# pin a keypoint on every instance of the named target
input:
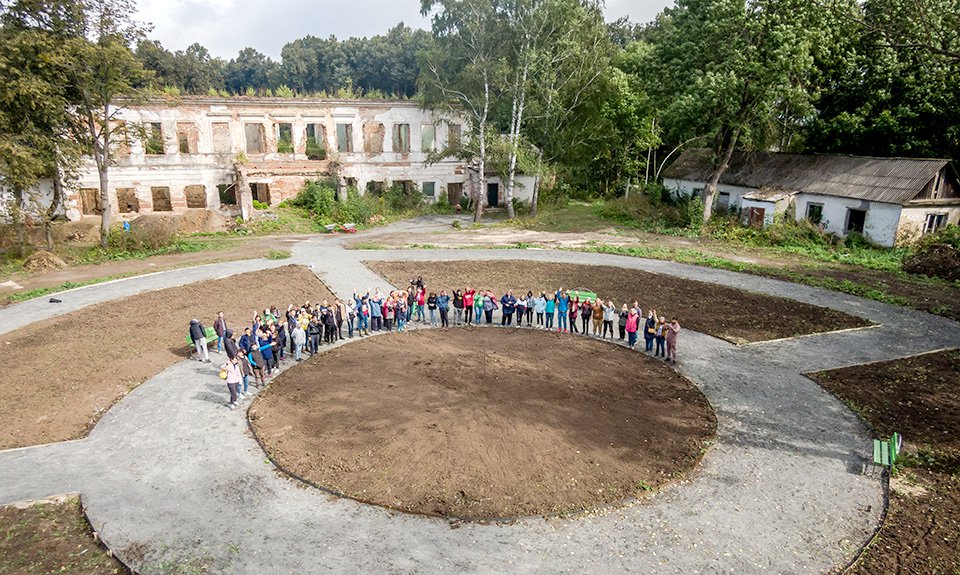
(223, 153)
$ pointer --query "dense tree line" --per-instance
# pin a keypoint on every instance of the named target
(379, 66)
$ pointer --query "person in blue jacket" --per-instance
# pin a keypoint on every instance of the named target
(563, 305)
(509, 304)
(443, 304)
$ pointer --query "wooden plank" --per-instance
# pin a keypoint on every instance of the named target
(877, 452)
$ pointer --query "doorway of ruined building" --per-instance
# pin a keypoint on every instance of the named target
(493, 195)
(127, 200)
(454, 193)
(90, 202)
(375, 188)
(196, 196)
(261, 192)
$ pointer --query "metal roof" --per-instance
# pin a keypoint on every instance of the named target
(888, 180)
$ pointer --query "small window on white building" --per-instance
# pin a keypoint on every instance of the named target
(815, 213)
(723, 201)
(855, 220)
(429, 189)
(934, 222)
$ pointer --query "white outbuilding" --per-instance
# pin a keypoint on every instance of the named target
(888, 200)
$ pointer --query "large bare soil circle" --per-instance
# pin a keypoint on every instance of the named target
(484, 423)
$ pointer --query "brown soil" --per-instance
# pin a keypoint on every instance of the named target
(728, 313)
(51, 537)
(920, 398)
(61, 374)
(538, 423)
(241, 248)
(917, 292)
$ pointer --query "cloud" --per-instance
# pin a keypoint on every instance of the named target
(226, 26)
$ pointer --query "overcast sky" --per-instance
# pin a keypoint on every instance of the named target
(227, 26)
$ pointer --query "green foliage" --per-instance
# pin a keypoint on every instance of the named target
(318, 198)
(279, 254)
(402, 197)
(644, 211)
(356, 208)
(315, 149)
(694, 208)
(950, 235)
(258, 205)
(284, 91)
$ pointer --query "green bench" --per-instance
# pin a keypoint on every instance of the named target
(583, 294)
(210, 333)
(885, 451)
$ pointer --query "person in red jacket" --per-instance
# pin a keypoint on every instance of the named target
(468, 296)
(633, 323)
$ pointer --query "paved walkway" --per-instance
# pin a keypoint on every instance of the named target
(173, 482)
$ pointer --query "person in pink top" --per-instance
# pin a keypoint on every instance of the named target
(633, 323)
(673, 328)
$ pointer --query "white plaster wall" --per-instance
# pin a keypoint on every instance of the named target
(912, 220)
(880, 225)
(686, 188)
(769, 210)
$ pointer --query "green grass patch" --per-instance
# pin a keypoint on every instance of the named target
(279, 254)
(33, 294)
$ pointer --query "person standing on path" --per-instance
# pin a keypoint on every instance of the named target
(633, 321)
(376, 312)
(540, 306)
(530, 306)
(432, 308)
(468, 297)
(298, 337)
(549, 309)
(563, 307)
(421, 301)
(509, 304)
(443, 306)
(489, 304)
(246, 370)
(624, 314)
(661, 335)
(597, 316)
(230, 345)
(650, 330)
(478, 306)
(586, 312)
(673, 329)
(351, 316)
(521, 310)
(234, 375)
(609, 315)
(199, 338)
(458, 304)
(573, 313)
(220, 327)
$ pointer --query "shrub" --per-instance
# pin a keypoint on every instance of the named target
(693, 206)
(936, 255)
(145, 234)
(356, 208)
(258, 205)
(402, 197)
(640, 211)
(318, 198)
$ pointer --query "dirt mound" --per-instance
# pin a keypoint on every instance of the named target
(483, 423)
(43, 261)
(937, 260)
(189, 222)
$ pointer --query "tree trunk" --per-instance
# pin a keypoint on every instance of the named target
(516, 122)
(711, 188)
(55, 203)
(536, 184)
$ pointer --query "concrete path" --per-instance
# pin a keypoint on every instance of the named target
(173, 482)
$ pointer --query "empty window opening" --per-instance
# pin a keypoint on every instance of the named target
(153, 139)
(196, 196)
(429, 189)
(351, 183)
(187, 137)
(453, 138)
(261, 192)
(345, 138)
(90, 201)
(316, 147)
(401, 138)
(428, 134)
(228, 194)
(121, 139)
(855, 220)
(253, 134)
(815, 213)
(723, 201)
(222, 141)
(127, 200)
(373, 135)
(375, 188)
(284, 138)
(934, 222)
(161, 199)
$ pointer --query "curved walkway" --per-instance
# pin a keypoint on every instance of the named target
(173, 482)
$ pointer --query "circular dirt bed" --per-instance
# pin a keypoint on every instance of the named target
(484, 423)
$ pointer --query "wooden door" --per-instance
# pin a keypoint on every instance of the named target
(757, 217)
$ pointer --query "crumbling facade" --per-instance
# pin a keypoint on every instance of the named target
(223, 153)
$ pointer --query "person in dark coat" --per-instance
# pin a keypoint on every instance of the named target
(230, 345)
(198, 334)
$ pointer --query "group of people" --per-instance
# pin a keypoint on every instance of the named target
(261, 348)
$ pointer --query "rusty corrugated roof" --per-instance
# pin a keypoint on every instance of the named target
(889, 180)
